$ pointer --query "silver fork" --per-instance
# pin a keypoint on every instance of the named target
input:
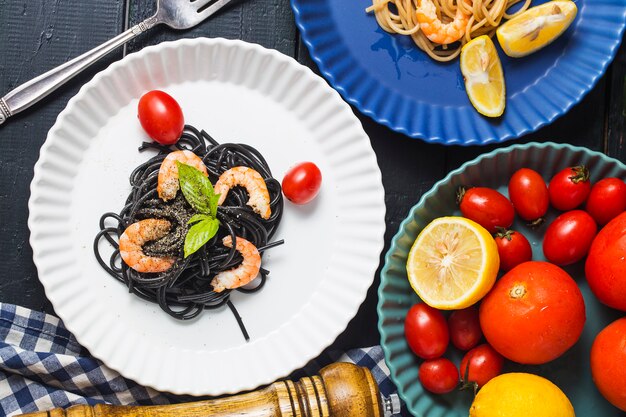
(177, 14)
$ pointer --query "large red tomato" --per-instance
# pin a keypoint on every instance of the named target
(533, 314)
(606, 264)
(608, 363)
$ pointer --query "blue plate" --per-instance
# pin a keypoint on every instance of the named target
(392, 81)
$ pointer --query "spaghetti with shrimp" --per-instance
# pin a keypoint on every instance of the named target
(441, 27)
(185, 286)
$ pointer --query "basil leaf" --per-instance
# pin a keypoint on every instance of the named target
(200, 195)
(213, 198)
(197, 189)
(209, 193)
(199, 234)
(198, 217)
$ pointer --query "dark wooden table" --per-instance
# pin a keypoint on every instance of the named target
(38, 35)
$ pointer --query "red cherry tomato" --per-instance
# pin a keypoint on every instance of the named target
(426, 331)
(464, 325)
(568, 238)
(161, 117)
(439, 376)
(302, 182)
(529, 194)
(487, 207)
(513, 248)
(569, 188)
(606, 200)
(481, 364)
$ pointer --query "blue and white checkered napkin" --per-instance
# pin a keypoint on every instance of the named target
(42, 366)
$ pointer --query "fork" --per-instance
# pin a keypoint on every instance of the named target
(177, 14)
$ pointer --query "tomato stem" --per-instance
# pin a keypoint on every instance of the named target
(504, 233)
(465, 382)
(581, 174)
(460, 194)
(518, 291)
(537, 222)
(469, 385)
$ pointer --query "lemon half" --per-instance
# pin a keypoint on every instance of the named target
(484, 79)
(453, 263)
(536, 27)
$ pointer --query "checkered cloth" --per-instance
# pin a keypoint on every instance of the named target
(42, 366)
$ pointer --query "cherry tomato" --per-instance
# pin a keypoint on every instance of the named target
(529, 194)
(464, 327)
(569, 237)
(487, 207)
(481, 364)
(569, 188)
(302, 182)
(513, 248)
(161, 117)
(606, 200)
(439, 376)
(426, 331)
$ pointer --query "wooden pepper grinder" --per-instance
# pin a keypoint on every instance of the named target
(341, 390)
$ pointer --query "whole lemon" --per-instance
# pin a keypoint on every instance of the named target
(520, 395)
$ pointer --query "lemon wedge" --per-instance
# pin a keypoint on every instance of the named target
(453, 263)
(484, 80)
(536, 27)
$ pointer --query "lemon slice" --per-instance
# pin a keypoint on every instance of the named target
(484, 80)
(453, 263)
(536, 27)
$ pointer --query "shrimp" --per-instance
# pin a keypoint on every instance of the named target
(168, 185)
(244, 273)
(259, 197)
(437, 31)
(133, 239)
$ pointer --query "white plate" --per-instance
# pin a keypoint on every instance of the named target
(237, 92)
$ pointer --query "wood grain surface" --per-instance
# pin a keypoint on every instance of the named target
(38, 35)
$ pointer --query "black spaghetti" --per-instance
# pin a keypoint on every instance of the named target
(184, 290)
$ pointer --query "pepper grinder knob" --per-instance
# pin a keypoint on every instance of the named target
(391, 405)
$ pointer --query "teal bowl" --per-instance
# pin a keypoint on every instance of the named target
(571, 372)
